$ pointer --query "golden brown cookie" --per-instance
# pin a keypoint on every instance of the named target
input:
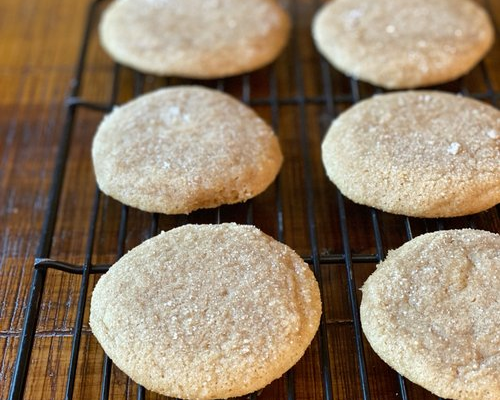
(194, 38)
(423, 154)
(403, 43)
(183, 148)
(206, 311)
(431, 311)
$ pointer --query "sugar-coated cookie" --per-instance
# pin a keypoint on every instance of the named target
(422, 154)
(206, 311)
(431, 311)
(183, 148)
(403, 43)
(194, 38)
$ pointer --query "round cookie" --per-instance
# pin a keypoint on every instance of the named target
(194, 38)
(206, 311)
(404, 43)
(183, 148)
(423, 154)
(431, 311)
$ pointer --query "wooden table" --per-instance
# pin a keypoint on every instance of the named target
(299, 95)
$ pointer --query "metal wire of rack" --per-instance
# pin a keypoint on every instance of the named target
(331, 101)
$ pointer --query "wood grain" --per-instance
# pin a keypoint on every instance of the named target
(38, 53)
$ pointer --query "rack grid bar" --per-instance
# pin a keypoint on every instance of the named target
(43, 251)
(305, 147)
(75, 346)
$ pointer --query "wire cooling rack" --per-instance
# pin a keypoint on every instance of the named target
(299, 95)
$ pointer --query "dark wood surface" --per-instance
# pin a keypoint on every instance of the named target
(39, 45)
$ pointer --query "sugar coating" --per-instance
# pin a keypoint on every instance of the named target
(183, 148)
(403, 43)
(423, 154)
(206, 311)
(431, 311)
(194, 38)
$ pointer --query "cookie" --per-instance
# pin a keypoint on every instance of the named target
(431, 311)
(183, 148)
(194, 38)
(404, 43)
(206, 311)
(422, 154)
